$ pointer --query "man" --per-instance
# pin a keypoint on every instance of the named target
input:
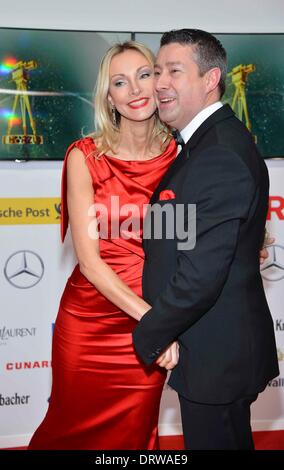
(210, 297)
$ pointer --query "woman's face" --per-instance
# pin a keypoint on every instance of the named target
(131, 86)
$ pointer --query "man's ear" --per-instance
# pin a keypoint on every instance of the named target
(213, 77)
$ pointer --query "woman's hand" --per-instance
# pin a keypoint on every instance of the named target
(170, 357)
(263, 254)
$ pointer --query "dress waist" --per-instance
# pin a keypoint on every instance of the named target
(81, 297)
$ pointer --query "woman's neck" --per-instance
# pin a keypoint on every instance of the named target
(136, 140)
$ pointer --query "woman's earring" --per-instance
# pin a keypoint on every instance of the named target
(113, 112)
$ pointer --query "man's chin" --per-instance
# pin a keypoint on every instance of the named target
(166, 117)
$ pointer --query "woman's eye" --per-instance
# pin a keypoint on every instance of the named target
(119, 83)
(145, 74)
(175, 70)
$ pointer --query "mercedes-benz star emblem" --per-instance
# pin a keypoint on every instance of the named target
(24, 269)
(273, 268)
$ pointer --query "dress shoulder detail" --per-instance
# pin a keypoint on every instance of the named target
(87, 147)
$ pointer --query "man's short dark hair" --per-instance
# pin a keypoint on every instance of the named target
(208, 51)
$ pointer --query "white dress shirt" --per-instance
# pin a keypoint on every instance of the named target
(196, 122)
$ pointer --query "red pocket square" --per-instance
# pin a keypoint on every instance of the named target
(166, 194)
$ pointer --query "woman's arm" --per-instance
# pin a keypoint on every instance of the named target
(80, 197)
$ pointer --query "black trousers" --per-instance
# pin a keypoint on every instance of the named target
(217, 427)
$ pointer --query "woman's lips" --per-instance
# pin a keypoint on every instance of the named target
(140, 103)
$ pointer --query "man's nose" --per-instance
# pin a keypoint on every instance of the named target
(161, 82)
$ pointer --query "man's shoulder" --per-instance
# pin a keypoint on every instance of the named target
(229, 136)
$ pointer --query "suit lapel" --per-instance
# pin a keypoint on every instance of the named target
(221, 114)
(177, 163)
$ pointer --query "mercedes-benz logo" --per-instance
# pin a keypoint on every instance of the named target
(273, 268)
(24, 269)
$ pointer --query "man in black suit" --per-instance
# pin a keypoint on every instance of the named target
(210, 297)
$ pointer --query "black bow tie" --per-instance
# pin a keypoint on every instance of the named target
(178, 138)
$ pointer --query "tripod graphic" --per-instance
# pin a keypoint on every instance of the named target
(20, 77)
(239, 76)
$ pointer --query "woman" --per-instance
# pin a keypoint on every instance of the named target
(102, 396)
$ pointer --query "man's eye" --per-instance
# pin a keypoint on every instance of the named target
(156, 73)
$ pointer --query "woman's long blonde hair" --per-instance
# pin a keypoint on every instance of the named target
(107, 131)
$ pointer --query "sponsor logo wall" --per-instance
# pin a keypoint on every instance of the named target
(34, 267)
(268, 411)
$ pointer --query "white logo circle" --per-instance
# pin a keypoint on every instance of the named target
(273, 268)
(24, 269)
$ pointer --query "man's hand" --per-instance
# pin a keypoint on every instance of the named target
(263, 254)
(170, 357)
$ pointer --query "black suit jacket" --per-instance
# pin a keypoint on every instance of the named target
(211, 297)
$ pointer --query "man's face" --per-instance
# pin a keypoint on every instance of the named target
(180, 90)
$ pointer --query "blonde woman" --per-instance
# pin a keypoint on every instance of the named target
(102, 396)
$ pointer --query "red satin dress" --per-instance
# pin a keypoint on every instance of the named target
(102, 396)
